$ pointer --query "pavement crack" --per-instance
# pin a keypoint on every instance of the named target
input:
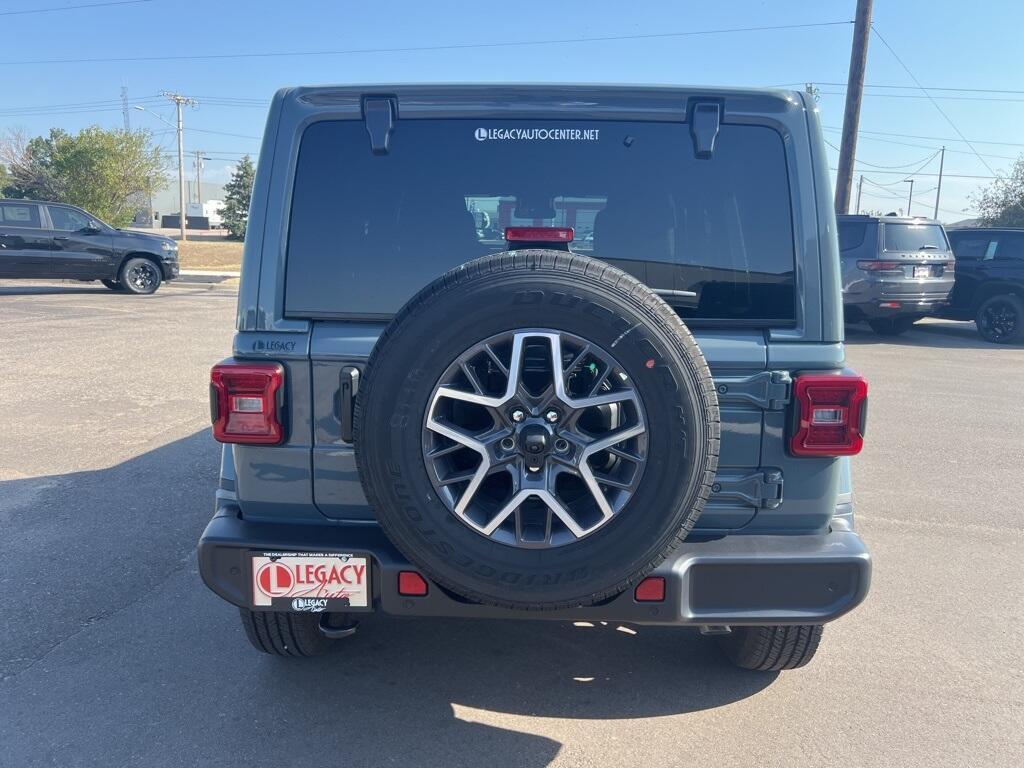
(97, 619)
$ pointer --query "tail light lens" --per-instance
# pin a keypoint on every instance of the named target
(539, 234)
(245, 403)
(879, 266)
(832, 412)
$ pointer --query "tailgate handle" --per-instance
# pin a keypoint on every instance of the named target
(347, 391)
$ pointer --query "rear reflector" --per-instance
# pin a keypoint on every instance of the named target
(831, 415)
(650, 590)
(539, 234)
(411, 584)
(889, 304)
(245, 402)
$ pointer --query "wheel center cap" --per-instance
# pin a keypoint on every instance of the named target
(534, 440)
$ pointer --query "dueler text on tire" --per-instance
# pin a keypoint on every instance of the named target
(536, 430)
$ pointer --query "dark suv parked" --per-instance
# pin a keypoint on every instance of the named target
(989, 282)
(895, 270)
(442, 403)
(57, 241)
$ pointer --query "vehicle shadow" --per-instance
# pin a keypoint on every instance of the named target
(929, 333)
(139, 640)
(61, 287)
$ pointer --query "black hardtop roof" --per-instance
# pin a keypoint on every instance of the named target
(985, 229)
(889, 219)
(507, 98)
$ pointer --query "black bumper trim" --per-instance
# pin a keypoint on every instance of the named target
(737, 580)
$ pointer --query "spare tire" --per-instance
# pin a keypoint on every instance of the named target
(536, 430)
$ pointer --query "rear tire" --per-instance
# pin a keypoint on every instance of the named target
(892, 326)
(140, 276)
(1000, 319)
(285, 634)
(113, 285)
(771, 649)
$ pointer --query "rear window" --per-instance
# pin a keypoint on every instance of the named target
(714, 236)
(915, 237)
(19, 215)
(851, 234)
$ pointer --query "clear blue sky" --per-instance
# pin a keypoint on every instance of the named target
(945, 44)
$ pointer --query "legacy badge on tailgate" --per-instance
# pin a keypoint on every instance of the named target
(313, 582)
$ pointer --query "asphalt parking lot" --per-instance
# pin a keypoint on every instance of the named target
(112, 652)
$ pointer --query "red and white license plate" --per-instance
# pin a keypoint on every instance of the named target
(310, 581)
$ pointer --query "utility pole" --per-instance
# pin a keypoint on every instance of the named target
(910, 199)
(124, 108)
(179, 102)
(199, 175)
(938, 191)
(851, 115)
(860, 187)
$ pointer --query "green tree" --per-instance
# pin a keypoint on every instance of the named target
(1001, 204)
(237, 196)
(5, 180)
(106, 172)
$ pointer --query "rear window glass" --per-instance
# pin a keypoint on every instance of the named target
(851, 234)
(713, 236)
(967, 245)
(915, 237)
(17, 215)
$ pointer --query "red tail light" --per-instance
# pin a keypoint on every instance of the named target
(832, 410)
(245, 402)
(879, 266)
(539, 234)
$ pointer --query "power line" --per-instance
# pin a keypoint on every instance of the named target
(909, 88)
(944, 175)
(418, 48)
(934, 138)
(922, 146)
(911, 96)
(55, 9)
(925, 160)
(934, 103)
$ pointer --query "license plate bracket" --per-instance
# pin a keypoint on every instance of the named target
(310, 582)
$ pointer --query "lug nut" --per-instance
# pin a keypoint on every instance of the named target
(518, 415)
(508, 444)
(561, 445)
(551, 416)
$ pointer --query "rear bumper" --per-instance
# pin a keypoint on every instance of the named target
(895, 306)
(737, 580)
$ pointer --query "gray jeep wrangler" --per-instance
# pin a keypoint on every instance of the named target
(559, 352)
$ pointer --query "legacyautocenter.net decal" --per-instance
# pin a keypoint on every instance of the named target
(536, 134)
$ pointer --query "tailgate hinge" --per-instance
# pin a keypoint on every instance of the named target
(379, 114)
(762, 490)
(769, 390)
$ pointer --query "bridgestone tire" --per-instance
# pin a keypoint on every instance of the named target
(285, 634)
(573, 295)
(771, 649)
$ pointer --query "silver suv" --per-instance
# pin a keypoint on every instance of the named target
(896, 270)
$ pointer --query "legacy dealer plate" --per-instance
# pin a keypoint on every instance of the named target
(310, 582)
